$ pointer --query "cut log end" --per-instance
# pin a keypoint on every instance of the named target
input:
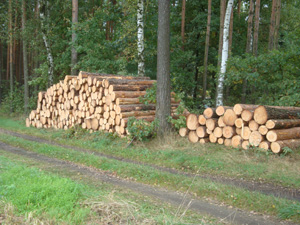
(193, 137)
(229, 117)
(183, 131)
(192, 122)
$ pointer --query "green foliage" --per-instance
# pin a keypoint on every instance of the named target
(150, 96)
(75, 132)
(286, 151)
(141, 129)
(181, 120)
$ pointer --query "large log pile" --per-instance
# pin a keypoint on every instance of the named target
(94, 101)
(266, 127)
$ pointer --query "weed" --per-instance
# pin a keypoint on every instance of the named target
(290, 211)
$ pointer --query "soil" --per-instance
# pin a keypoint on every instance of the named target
(225, 214)
(262, 187)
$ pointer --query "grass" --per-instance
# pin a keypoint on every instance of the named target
(223, 193)
(180, 154)
(32, 196)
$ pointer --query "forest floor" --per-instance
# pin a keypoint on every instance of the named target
(227, 186)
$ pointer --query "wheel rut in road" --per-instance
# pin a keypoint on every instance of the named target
(231, 215)
(262, 187)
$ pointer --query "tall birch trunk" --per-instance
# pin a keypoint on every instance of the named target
(11, 80)
(140, 37)
(230, 33)
(256, 28)
(220, 85)
(25, 67)
(74, 36)
(183, 23)
(48, 49)
(277, 24)
(163, 96)
(206, 49)
(222, 15)
(272, 25)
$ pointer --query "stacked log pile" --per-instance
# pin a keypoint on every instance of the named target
(266, 127)
(94, 101)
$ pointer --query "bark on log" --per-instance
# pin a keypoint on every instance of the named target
(137, 114)
(110, 81)
(277, 147)
(192, 122)
(229, 117)
(283, 134)
(280, 124)
(83, 74)
(126, 94)
(115, 87)
(131, 101)
(264, 113)
(137, 107)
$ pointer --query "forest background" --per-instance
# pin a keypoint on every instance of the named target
(264, 48)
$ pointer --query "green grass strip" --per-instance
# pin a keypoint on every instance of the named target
(231, 195)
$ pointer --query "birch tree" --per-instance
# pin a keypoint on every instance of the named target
(74, 23)
(220, 85)
(163, 94)
(47, 46)
(140, 38)
(25, 67)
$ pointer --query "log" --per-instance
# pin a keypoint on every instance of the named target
(201, 132)
(95, 124)
(247, 115)
(136, 107)
(183, 131)
(227, 142)
(229, 117)
(204, 140)
(245, 145)
(126, 94)
(239, 123)
(220, 110)
(246, 133)
(221, 122)
(192, 121)
(263, 130)
(137, 114)
(255, 138)
(236, 141)
(202, 120)
(264, 145)
(210, 113)
(27, 122)
(229, 131)
(253, 125)
(83, 74)
(220, 141)
(264, 113)
(131, 101)
(125, 87)
(193, 137)
(283, 134)
(281, 124)
(211, 123)
(277, 147)
(238, 108)
(209, 131)
(110, 81)
(212, 138)
(218, 132)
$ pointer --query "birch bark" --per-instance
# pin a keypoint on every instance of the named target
(140, 37)
(220, 85)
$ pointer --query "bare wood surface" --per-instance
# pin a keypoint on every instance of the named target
(229, 117)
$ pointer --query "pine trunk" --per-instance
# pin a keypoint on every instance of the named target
(272, 25)
(26, 91)
(277, 24)
(183, 23)
(11, 80)
(256, 28)
(74, 36)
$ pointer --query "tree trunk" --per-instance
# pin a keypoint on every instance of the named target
(163, 98)
(140, 38)
(256, 28)
(11, 80)
(206, 50)
(283, 134)
(1, 69)
(26, 91)
(272, 25)
(280, 124)
(220, 86)
(183, 23)
(277, 24)
(49, 54)
(222, 16)
(74, 36)
(230, 34)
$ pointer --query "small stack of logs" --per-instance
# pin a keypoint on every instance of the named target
(94, 101)
(266, 127)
